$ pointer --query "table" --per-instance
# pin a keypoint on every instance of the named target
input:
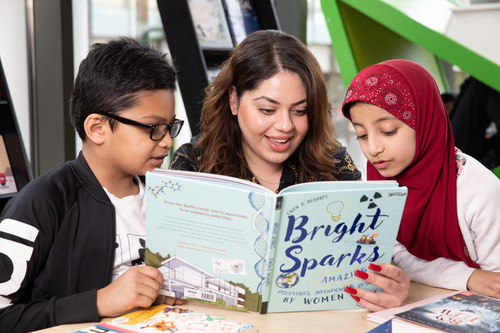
(346, 321)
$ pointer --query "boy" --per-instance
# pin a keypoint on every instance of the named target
(68, 239)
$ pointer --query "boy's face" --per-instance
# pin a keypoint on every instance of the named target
(130, 148)
(387, 142)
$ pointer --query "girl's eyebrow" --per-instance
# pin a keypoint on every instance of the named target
(270, 100)
(379, 120)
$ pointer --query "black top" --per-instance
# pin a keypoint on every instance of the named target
(61, 233)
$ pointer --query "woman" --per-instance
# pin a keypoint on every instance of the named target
(266, 118)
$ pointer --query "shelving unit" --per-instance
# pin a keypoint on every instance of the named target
(15, 171)
(197, 61)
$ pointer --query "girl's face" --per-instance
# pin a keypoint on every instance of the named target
(272, 119)
(387, 142)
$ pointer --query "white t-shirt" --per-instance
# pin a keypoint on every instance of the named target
(130, 230)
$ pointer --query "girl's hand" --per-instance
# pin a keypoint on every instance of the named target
(484, 283)
(392, 279)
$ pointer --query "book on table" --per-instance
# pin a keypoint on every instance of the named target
(387, 314)
(233, 243)
(461, 312)
(164, 318)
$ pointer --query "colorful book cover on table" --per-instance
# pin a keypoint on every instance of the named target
(163, 318)
(232, 243)
(460, 313)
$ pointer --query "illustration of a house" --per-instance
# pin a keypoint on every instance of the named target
(188, 281)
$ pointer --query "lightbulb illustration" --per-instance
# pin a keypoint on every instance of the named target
(334, 209)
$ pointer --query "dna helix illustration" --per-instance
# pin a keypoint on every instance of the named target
(260, 224)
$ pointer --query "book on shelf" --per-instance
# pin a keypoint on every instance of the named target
(461, 312)
(242, 18)
(233, 243)
(164, 318)
(7, 180)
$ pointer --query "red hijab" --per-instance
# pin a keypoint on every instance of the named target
(429, 226)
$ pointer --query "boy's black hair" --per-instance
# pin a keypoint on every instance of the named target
(112, 74)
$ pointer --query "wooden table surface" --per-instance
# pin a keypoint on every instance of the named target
(345, 321)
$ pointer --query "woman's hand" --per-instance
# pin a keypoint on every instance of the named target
(392, 279)
(484, 283)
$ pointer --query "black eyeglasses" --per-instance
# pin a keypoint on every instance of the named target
(156, 132)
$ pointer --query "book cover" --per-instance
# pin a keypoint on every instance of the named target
(385, 327)
(232, 243)
(459, 313)
(7, 181)
(387, 314)
(163, 318)
(242, 18)
(210, 24)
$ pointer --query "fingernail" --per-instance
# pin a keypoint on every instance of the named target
(361, 274)
(350, 290)
(375, 268)
(356, 298)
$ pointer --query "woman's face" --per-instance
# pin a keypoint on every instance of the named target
(272, 119)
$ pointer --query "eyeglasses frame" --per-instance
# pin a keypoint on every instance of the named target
(151, 128)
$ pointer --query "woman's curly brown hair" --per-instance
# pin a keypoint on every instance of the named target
(260, 56)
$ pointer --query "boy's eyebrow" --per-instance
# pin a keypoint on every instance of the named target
(160, 119)
(269, 99)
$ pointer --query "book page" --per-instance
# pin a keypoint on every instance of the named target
(209, 238)
(338, 185)
(226, 180)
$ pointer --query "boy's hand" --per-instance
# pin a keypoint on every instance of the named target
(137, 287)
(162, 299)
(485, 283)
(392, 279)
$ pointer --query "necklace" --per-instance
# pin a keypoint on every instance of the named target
(262, 180)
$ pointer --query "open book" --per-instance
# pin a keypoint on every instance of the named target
(163, 318)
(236, 244)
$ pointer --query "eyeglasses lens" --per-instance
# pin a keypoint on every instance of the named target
(176, 128)
(161, 130)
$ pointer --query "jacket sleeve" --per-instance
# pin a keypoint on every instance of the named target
(28, 226)
(40, 314)
(478, 191)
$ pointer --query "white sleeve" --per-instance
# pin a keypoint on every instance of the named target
(441, 272)
(478, 202)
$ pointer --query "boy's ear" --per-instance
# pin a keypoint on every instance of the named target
(233, 100)
(96, 127)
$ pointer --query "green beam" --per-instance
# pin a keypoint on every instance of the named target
(420, 23)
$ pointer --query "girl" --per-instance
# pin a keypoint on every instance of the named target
(450, 231)
(266, 118)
